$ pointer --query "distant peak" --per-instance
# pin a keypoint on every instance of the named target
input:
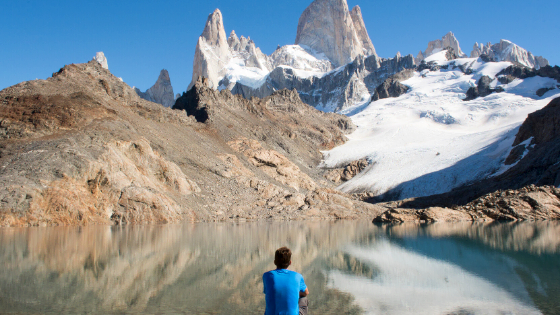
(447, 41)
(100, 57)
(164, 75)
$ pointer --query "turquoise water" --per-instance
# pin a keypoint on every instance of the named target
(349, 267)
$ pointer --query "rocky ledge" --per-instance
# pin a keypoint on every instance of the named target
(530, 203)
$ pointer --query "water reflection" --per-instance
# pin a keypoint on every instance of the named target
(350, 267)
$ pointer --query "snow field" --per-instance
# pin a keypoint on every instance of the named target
(429, 140)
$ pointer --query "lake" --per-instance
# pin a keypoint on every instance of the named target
(215, 268)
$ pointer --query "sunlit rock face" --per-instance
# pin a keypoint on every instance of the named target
(212, 51)
(361, 31)
(327, 26)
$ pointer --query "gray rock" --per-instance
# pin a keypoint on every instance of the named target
(522, 72)
(483, 89)
(392, 86)
(161, 92)
(542, 91)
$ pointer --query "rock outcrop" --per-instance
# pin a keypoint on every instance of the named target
(212, 51)
(326, 26)
(521, 72)
(161, 92)
(100, 57)
(347, 172)
(482, 89)
(392, 87)
(435, 46)
(526, 204)
(505, 50)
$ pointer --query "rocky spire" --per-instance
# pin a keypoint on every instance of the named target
(438, 45)
(326, 26)
(100, 57)
(212, 51)
(361, 31)
(161, 92)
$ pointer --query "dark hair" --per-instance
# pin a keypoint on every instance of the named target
(282, 257)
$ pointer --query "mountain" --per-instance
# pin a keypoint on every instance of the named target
(83, 148)
(431, 139)
(435, 46)
(212, 51)
(508, 51)
(327, 26)
(333, 65)
(161, 92)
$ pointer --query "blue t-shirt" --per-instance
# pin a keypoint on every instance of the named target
(282, 287)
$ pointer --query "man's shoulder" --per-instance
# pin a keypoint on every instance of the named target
(281, 271)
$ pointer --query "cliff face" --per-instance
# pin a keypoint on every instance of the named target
(212, 51)
(83, 148)
(327, 26)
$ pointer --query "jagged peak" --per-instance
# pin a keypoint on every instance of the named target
(326, 26)
(506, 50)
(435, 46)
(164, 75)
(214, 32)
(361, 31)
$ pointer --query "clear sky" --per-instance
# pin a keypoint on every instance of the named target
(142, 37)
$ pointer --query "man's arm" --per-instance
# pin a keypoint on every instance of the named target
(304, 294)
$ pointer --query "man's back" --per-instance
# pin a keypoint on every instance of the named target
(282, 288)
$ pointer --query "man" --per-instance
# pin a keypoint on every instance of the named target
(285, 291)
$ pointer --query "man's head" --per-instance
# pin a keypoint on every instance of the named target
(283, 258)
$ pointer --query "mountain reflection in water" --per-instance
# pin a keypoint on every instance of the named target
(216, 268)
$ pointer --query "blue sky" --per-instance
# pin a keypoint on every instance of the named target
(142, 37)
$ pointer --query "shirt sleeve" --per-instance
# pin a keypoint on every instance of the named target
(302, 285)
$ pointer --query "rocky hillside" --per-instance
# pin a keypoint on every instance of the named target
(83, 148)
